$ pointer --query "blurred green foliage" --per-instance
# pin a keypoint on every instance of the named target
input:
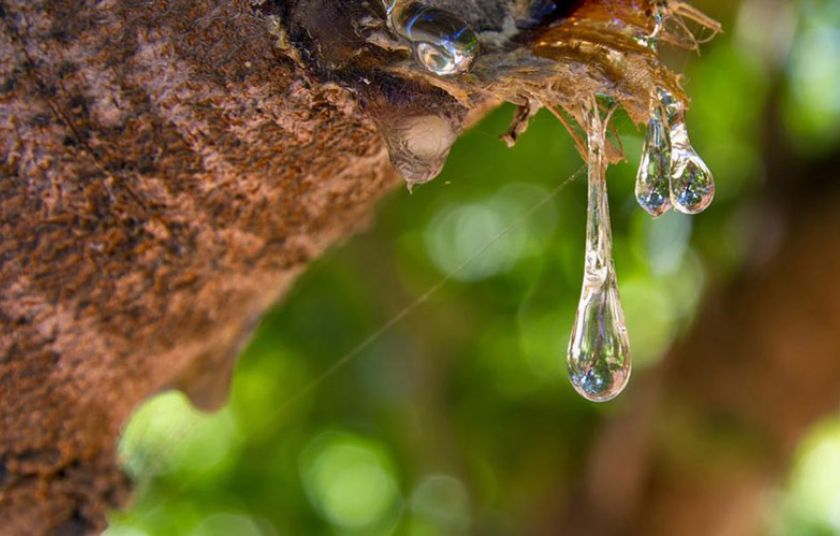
(459, 419)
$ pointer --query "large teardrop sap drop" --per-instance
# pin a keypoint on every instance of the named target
(599, 350)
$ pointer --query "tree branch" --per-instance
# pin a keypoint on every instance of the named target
(166, 174)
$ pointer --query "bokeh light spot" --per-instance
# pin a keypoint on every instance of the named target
(226, 524)
(442, 501)
(116, 529)
(667, 240)
(349, 479)
(815, 481)
(477, 240)
(168, 434)
(813, 111)
(651, 319)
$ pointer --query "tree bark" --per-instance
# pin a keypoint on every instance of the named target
(166, 172)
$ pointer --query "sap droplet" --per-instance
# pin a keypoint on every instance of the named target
(598, 358)
(657, 12)
(692, 185)
(442, 42)
(418, 146)
(652, 180)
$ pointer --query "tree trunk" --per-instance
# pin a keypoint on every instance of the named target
(166, 172)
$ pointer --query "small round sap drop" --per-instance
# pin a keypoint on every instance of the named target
(599, 350)
(418, 146)
(442, 43)
(692, 185)
(652, 180)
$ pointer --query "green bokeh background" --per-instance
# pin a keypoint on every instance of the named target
(459, 419)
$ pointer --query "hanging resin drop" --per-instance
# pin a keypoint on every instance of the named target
(652, 180)
(599, 350)
(657, 13)
(443, 43)
(692, 185)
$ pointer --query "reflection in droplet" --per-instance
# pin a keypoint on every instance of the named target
(651, 40)
(442, 42)
(599, 350)
(692, 184)
(652, 184)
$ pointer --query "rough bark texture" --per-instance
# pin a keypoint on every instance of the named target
(166, 171)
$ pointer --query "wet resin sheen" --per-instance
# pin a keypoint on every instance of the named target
(599, 350)
(653, 179)
(691, 183)
(443, 43)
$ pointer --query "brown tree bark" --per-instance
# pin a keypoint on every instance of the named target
(166, 172)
